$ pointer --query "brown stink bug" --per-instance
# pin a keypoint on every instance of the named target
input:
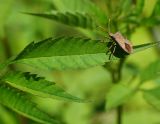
(119, 46)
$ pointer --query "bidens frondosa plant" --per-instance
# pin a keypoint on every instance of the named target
(90, 49)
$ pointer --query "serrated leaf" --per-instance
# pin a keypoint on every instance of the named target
(118, 95)
(81, 6)
(142, 47)
(76, 19)
(19, 103)
(35, 85)
(152, 71)
(153, 97)
(68, 53)
(64, 53)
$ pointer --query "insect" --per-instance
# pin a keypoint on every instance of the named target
(118, 45)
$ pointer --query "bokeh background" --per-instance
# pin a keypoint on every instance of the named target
(17, 30)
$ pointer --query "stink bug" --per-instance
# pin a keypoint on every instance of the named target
(118, 45)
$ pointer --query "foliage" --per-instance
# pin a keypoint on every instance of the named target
(78, 53)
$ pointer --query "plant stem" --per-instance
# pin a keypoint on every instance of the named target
(116, 78)
(119, 114)
(119, 73)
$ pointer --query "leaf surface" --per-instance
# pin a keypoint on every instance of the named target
(142, 47)
(68, 53)
(36, 85)
(81, 6)
(71, 19)
(64, 53)
(19, 103)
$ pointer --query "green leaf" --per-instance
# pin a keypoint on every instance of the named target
(151, 72)
(142, 47)
(19, 103)
(153, 97)
(67, 53)
(118, 95)
(76, 19)
(35, 85)
(64, 53)
(81, 6)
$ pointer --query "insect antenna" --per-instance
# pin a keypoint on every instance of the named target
(109, 25)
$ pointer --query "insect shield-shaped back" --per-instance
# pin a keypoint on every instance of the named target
(119, 47)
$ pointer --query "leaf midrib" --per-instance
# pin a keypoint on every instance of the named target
(99, 53)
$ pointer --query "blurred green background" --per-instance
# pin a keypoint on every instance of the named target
(18, 30)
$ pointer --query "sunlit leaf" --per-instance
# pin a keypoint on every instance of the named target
(19, 103)
(35, 85)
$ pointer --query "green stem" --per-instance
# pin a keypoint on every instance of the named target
(119, 73)
(119, 114)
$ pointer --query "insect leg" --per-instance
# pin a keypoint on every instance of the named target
(112, 52)
(114, 49)
(110, 55)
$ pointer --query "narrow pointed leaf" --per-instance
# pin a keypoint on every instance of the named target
(151, 72)
(76, 19)
(35, 85)
(153, 97)
(142, 47)
(19, 103)
(118, 95)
